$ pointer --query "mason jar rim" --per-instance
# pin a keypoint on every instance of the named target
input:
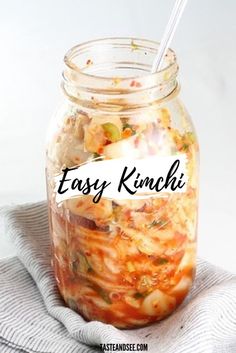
(116, 57)
(143, 43)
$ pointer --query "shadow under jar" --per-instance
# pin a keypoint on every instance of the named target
(122, 262)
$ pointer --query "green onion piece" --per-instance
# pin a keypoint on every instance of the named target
(185, 147)
(74, 266)
(160, 261)
(155, 223)
(112, 132)
(72, 304)
(103, 294)
(84, 265)
(97, 156)
(188, 139)
(128, 126)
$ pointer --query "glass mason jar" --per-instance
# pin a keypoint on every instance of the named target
(122, 262)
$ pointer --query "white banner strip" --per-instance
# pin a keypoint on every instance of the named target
(124, 178)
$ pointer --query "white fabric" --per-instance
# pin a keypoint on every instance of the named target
(33, 317)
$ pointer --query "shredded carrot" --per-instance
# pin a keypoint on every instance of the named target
(127, 132)
(100, 150)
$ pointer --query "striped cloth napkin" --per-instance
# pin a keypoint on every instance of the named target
(34, 319)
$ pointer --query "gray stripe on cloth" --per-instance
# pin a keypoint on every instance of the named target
(33, 317)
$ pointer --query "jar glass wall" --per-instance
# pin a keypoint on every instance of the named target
(123, 262)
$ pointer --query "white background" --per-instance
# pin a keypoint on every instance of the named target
(34, 35)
